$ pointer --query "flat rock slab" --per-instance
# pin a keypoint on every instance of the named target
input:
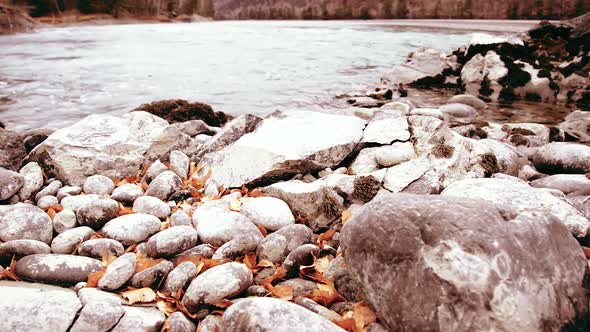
(286, 144)
(99, 144)
(436, 263)
(56, 269)
(35, 307)
(140, 319)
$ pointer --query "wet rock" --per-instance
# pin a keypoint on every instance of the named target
(268, 314)
(50, 190)
(97, 213)
(180, 218)
(315, 202)
(34, 137)
(68, 191)
(76, 202)
(33, 176)
(12, 150)
(178, 322)
(151, 276)
(470, 100)
(278, 149)
(99, 316)
(164, 185)
(217, 225)
(577, 125)
(127, 193)
(172, 241)
(68, 241)
(118, 272)
(44, 308)
(99, 185)
(559, 157)
(238, 246)
(97, 247)
(178, 110)
(56, 269)
(268, 212)
(277, 246)
(313, 306)
(457, 110)
(179, 163)
(25, 221)
(143, 319)
(424, 67)
(151, 205)
(10, 183)
(132, 228)
(220, 282)
(386, 129)
(23, 248)
(203, 250)
(64, 220)
(179, 277)
(303, 255)
(420, 246)
(230, 133)
(117, 145)
(566, 183)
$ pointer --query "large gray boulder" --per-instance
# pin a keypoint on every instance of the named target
(36, 307)
(103, 144)
(268, 314)
(422, 64)
(524, 199)
(560, 157)
(432, 263)
(286, 144)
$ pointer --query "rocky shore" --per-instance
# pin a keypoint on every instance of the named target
(386, 217)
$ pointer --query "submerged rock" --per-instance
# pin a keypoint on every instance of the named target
(410, 252)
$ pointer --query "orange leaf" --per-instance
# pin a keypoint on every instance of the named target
(144, 263)
(144, 186)
(250, 260)
(166, 307)
(165, 224)
(256, 193)
(346, 216)
(133, 179)
(326, 294)
(94, 278)
(166, 326)
(51, 212)
(225, 303)
(142, 295)
(325, 237)
(262, 230)
(57, 208)
(8, 273)
(123, 210)
(586, 252)
(363, 316)
(283, 292)
(120, 183)
(279, 273)
(309, 272)
(300, 220)
(347, 324)
(145, 169)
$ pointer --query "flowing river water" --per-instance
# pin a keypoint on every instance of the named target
(56, 76)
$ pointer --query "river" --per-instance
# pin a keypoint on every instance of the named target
(56, 76)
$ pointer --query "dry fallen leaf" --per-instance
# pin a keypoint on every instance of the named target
(235, 205)
(166, 307)
(262, 230)
(250, 260)
(346, 216)
(144, 186)
(363, 316)
(8, 273)
(225, 303)
(123, 210)
(326, 294)
(283, 292)
(326, 236)
(94, 277)
(321, 264)
(141, 295)
(279, 273)
(256, 193)
(586, 251)
(165, 224)
(51, 212)
(166, 326)
(144, 263)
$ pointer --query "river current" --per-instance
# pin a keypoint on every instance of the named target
(56, 76)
